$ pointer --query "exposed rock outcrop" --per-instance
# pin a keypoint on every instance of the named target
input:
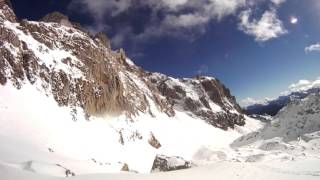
(125, 167)
(57, 17)
(164, 163)
(7, 2)
(202, 97)
(7, 10)
(154, 142)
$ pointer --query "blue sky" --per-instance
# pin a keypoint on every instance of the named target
(256, 47)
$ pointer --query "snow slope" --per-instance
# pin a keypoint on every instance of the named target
(305, 169)
(93, 146)
(24, 152)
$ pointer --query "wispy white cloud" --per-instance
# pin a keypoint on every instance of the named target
(313, 47)
(263, 29)
(180, 18)
(121, 36)
(278, 2)
(99, 8)
(185, 20)
(251, 101)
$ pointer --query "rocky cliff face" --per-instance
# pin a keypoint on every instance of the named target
(81, 70)
(203, 97)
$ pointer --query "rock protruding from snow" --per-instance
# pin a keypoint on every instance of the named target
(154, 142)
(165, 163)
(125, 167)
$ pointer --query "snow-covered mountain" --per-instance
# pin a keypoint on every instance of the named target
(71, 105)
(296, 91)
(81, 71)
(294, 133)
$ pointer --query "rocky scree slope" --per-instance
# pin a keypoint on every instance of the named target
(81, 70)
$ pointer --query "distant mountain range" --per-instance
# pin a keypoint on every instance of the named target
(273, 106)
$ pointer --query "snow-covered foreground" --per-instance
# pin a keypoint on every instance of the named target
(16, 151)
(305, 169)
(38, 135)
(47, 145)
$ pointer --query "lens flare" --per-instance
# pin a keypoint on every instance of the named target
(293, 20)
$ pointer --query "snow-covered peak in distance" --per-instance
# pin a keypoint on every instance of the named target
(271, 107)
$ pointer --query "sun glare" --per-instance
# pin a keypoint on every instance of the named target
(293, 20)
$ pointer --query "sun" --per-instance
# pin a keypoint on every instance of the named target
(293, 20)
